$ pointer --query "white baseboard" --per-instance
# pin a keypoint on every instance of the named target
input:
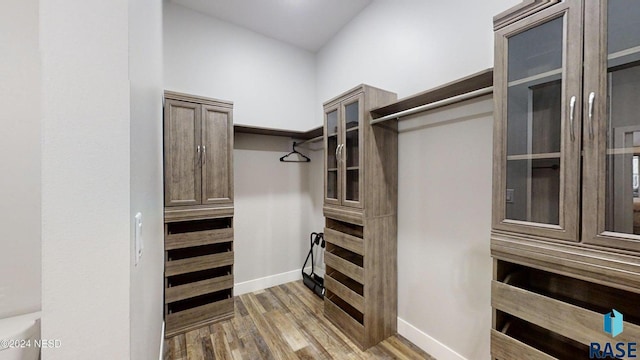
(430, 345)
(161, 357)
(266, 282)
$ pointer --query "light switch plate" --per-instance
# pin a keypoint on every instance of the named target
(509, 195)
(138, 237)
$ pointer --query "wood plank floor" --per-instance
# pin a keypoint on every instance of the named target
(282, 322)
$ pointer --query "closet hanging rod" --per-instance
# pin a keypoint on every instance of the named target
(436, 104)
(317, 138)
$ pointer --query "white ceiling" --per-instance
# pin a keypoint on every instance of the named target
(307, 24)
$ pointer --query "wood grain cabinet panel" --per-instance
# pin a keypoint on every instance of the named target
(360, 207)
(199, 256)
(217, 154)
(566, 191)
(182, 163)
(198, 152)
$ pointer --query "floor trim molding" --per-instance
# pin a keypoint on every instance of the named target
(266, 282)
(427, 343)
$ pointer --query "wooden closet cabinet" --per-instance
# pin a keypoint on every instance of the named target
(198, 151)
(361, 180)
(566, 208)
(198, 180)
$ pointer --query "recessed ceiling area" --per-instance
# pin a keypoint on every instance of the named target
(307, 24)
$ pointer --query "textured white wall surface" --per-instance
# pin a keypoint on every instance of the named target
(85, 178)
(272, 84)
(275, 207)
(444, 221)
(145, 76)
(20, 218)
(409, 46)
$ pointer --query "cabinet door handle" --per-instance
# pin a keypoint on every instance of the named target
(345, 153)
(341, 148)
(572, 105)
(592, 97)
(198, 157)
(337, 158)
(204, 154)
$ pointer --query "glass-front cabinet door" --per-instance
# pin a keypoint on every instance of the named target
(537, 92)
(611, 186)
(333, 140)
(350, 154)
(343, 155)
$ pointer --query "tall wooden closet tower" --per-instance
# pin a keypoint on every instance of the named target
(360, 206)
(566, 212)
(198, 198)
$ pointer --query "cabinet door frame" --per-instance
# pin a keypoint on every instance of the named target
(569, 212)
(168, 169)
(210, 149)
(361, 129)
(595, 167)
(328, 109)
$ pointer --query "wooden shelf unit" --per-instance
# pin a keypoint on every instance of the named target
(361, 223)
(199, 257)
(565, 234)
(198, 273)
(545, 315)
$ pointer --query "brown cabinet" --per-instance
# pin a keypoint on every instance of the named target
(198, 168)
(566, 235)
(198, 151)
(361, 180)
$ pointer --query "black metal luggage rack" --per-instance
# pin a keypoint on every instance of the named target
(313, 281)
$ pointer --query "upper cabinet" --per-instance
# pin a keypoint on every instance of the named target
(611, 124)
(537, 85)
(343, 125)
(567, 137)
(198, 150)
(347, 131)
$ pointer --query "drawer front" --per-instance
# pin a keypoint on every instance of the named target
(344, 293)
(579, 324)
(504, 347)
(197, 238)
(353, 271)
(177, 293)
(189, 318)
(346, 241)
(184, 266)
(353, 329)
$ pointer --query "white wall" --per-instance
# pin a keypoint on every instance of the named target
(20, 159)
(145, 76)
(272, 84)
(274, 212)
(85, 178)
(444, 221)
(409, 46)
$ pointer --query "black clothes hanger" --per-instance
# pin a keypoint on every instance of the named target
(306, 159)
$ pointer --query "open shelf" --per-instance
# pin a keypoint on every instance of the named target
(345, 227)
(536, 79)
(548, 342)
(199, 301)
(584, 294)
(554, 155)
(346, 281)
(196, 251)
(346, 307)
(437, 96)
(196, 276)
(199, 225)
(343, 253)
